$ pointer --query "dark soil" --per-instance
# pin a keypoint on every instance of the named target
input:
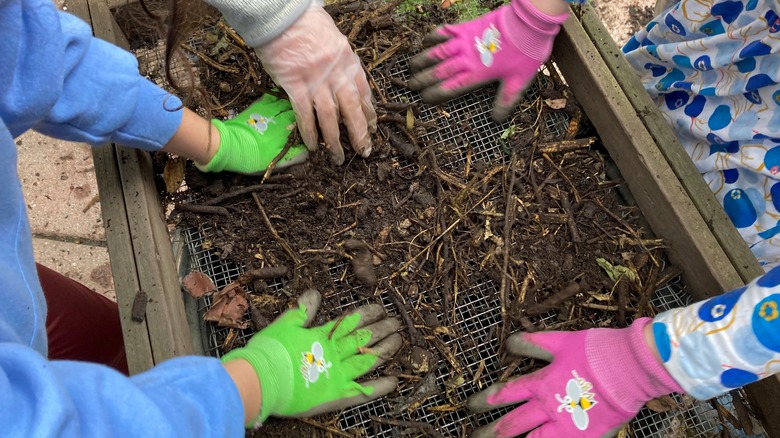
(404, 223)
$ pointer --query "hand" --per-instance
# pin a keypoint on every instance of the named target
(507, 45)
(250, 141)
(310, 371)
(316, 66)
(597, 381)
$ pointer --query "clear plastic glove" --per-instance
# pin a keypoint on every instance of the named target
(324, 80)
(310, 371)
(250, 141)
(507, 45)
(596, 382)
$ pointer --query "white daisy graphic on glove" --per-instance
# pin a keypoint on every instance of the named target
(314, 364)
(488, 45)
(259, 122)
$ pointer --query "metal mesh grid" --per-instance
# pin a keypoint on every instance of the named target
(478, 316)
(466, 122)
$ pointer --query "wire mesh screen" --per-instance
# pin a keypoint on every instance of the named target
(478, 309)
(465, 123)
(478, 318)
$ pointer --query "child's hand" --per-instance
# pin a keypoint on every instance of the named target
(250, 141)
(507, 45)
(597, 381)
(309, 371)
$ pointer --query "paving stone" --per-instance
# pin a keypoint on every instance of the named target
(86, 264)
(58, 179)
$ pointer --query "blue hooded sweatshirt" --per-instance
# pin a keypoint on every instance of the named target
(59, 80)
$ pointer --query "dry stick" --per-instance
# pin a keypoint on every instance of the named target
(575, 234)
(552, 302)
(360, 22)
(436, 239)
(294, 139)
(324, 427)
(622, 301)
(388, 53)
(415, 337)
(283, 243)
(424, 427)
(209, 61)
(509, 214)
(244, 191)
(627, 227)
(646, 292)
(577, 197)
(203, 209)
(555, 147)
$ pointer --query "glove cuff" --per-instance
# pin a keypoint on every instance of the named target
(274, 368)
(641, 378)
(531, 30)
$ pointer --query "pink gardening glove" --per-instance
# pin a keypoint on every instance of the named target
(316, 66)
(596, 382)
(507, 45)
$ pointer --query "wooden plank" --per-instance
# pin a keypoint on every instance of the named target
(130, 180)
(660, 196)
(126, 282)
(721, 226)
(574, 54)
(120, 248)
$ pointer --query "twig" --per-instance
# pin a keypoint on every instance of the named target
(360, 22)
(209, 61)
(295, 138)
(437, 238)
(324, 427)
(565, 145)
(415, 338)
(283, 243)
(203, 209)
(563, 175)
(91, 202)
(572, 224)
(508, 222)
(244, 191)
(552, 302)
(424, 427)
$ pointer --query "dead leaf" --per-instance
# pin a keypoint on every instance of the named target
(555, 104)
(662, 404)
(173, 174)
(198, 284)
(230, 306)
(445, 4)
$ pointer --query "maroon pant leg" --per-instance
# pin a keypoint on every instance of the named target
(81, 324)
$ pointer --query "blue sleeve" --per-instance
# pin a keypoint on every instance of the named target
(187, 397)
(726, 342)
(55, 77)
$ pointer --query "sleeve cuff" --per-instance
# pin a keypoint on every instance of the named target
(155, 118)
(260, 21)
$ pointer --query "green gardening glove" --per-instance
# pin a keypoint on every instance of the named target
(250, 141)
(310, 371)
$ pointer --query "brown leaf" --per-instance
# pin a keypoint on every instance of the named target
(230, 306)
(555, 104)
(662, 404)
(173, 174)
(198, 284)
